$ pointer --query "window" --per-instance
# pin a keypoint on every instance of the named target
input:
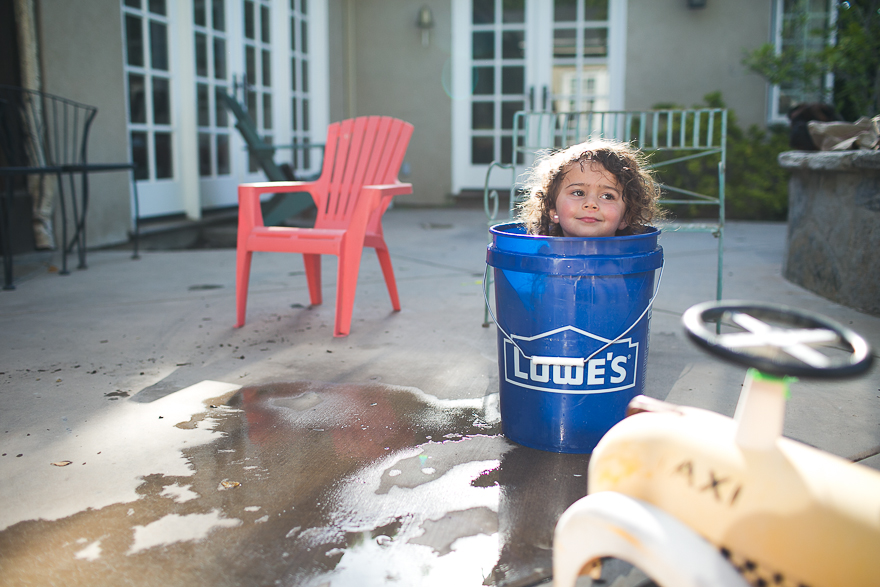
(148, 80)
(801, 28)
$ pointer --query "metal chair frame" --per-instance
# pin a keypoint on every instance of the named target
(281, 206)
(42, 134)
(687, 134)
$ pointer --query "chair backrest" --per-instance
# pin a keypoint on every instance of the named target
(367, 150)
(680, 135)
(40, 130)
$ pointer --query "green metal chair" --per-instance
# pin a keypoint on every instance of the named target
(281, 206)
(668, 137)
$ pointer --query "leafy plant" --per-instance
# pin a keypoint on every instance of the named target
(756, 187)
(850, 50)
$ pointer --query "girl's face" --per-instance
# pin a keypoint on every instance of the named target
(589, 203)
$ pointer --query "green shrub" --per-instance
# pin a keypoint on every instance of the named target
(756, 187)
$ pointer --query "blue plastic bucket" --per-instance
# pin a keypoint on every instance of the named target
(566, 373)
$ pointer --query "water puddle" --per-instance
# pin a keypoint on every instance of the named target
(322, 484)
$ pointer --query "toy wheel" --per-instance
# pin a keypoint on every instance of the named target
(778, 340)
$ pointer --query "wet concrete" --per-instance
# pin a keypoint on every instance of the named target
(111, 373)
(311, 483)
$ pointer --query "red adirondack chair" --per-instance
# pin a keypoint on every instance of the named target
(362, 158)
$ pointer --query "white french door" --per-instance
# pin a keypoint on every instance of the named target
(271, 55)
(511, 55)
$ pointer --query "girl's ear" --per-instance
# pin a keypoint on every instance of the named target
(554, 217)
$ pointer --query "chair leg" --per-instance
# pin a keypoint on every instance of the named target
(346, 286)
(388, 272)
(313, 277)
(242, 275)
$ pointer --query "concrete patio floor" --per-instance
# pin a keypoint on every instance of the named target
(146, 441)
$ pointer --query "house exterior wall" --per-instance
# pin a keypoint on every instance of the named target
(678, 55)
(395, 75)
(81, 59)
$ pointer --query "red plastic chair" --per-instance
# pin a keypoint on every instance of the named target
(362, 158)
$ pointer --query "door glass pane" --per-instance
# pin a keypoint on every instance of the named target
(564, 10)
(264, 24)
(161, 101)
(137, 95)
(305, 38)
(133, 3)
(201, 55)
(596, 10)
(218, 15)
(293, 34)
(204, 154)
(203, 106)
(164, 168)
(484, 45)
(157, 7)
(513, 45)
(199, 15)
(249, 19)
(512, 80)
(564, 43)
(513, 11)
(250, 66)
(267, 111)
(252, 105)
(596, 42)
(305, 76)
(484, 80)
(267, 68)
(508, 109)
(306, 126)
(483, 115)
(158, 45)
(483, 11)
(219, 58)
(222, 116)
(222, 154)
(482, 150)
(134, 41)
(139, 155)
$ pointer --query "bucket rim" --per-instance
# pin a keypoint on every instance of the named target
(651, 232)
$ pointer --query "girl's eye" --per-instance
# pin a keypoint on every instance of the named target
(608, 196)
(577, 193)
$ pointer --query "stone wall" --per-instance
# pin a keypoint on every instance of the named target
(833, 244)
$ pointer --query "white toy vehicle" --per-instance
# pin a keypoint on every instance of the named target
(692, 497)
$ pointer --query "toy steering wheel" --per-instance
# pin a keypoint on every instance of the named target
(778, 340)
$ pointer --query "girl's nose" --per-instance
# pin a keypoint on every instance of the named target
(591, 203)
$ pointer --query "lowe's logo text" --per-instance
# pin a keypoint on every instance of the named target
(613, 369)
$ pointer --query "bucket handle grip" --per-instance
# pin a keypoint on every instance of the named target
(568, 361)
(561, 361)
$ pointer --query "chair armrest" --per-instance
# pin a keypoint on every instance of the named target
(389, 190)
(277, 187)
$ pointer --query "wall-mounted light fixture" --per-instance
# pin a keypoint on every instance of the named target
(425, 22)
(696, 3)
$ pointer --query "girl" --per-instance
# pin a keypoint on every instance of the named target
(595, 189)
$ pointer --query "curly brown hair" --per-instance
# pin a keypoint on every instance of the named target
(625, 163)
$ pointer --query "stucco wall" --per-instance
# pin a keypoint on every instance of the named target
(676, 54)
(81, 59)
(397, 76)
